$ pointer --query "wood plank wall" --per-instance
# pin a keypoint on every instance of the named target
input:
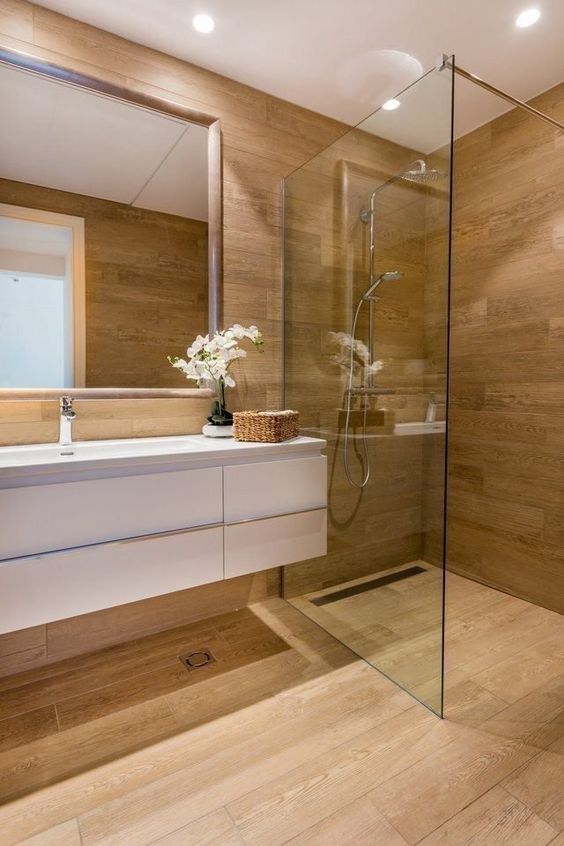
(146, 285)
(264, 140)
(508, 310)
(506, 502)
(327, 249)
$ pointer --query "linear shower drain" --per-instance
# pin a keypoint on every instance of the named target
(197, 659)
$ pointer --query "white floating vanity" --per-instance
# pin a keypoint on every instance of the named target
(100, 524)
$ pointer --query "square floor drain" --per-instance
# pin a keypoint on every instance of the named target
(197, 659)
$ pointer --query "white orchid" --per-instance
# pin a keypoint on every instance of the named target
(341, 343)
(210, 359)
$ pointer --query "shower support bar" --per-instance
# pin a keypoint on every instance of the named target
(446, 62)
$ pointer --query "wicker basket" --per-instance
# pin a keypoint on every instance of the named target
(268, 426)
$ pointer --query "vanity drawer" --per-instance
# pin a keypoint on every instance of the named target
(59, 516)
(268, 488)
(260, 544)
(64, 584)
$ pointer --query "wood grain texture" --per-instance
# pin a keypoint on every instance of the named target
(66, 834)
(290, 739)
(327, 271)
(22, 649)
(396, 627)
(46, 394)
(25, 728)
(215, 829)
(16, 19)
(264, 139)
(38, 422)
(535, 784)
(356, 824)
(496, 817)
(507, 401)
(44, 645)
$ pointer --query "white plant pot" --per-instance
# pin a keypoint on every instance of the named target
(211, 431)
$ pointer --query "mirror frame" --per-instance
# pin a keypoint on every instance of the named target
(33, 64)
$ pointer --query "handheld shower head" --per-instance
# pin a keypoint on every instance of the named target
(388, 276)
(368, 365)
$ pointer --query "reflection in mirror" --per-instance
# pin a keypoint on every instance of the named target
(103, 237)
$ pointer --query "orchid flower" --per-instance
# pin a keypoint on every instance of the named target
(210, 359)
(341, 344)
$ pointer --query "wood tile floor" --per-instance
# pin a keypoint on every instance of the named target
(290, 738)
(396, 627)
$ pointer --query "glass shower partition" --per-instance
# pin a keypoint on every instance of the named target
(366, 290)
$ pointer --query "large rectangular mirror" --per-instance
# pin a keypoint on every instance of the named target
(110, 232)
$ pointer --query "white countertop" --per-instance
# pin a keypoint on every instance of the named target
(50, 463)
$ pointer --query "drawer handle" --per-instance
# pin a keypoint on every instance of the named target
(274, 516)
(168, 534)
(117, 541)
(155, 535)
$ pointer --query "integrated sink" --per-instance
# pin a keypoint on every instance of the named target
(35, 454)
(46, 463)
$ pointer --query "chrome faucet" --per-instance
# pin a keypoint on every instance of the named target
(67, 415)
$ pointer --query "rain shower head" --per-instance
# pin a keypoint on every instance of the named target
(417, 172)
(388, 276)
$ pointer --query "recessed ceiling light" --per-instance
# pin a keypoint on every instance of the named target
(392, 104)
(527, 18)
(204, 23)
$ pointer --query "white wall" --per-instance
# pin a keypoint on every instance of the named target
(32, 332)
(36, 303)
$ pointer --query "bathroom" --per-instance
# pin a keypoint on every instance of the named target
(222, 622)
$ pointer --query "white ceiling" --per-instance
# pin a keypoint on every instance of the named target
(344, 58)
(62, 137)
(423, 120)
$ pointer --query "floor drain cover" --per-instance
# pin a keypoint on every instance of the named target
(197, 658)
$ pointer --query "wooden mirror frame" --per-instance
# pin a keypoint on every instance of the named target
(27, 62)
